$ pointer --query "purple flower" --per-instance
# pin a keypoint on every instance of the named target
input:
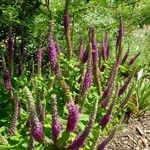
(120, 35)
(56, 129)
(7, 79)
(106, 96)
(124, 87)
(105, 102)
(20, 69)
(56, 125)
(66, 21)
(52, 53)
(73, 117)
(88, 79)
(104, 143)
(105, 51)
(79, 141)
(36, 129)
(94, 46)
(125, 57)
(10, 43)
(108, 50)
(134, 58)
(85, 56)
(105, 120)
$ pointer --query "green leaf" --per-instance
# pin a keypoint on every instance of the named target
(103, 3)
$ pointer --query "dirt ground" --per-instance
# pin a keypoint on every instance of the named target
(135, 137)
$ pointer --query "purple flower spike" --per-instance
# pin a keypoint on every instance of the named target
(20, 69)
(52, 52)
(94, 46)
(134, 58)
(56, 125)
(120, 34)
(7, 79)
(125, 57)
(104, 143)
(79, 141)
(56, 129)
(85, 56)
(88, 79)
(10, 43)
(66, 21)
(105, 50)
(104, 103)
(105, 120)
(124, 87)
(36, 129)
(73, 117)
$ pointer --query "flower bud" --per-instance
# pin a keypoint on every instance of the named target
(7, 79)
(125, 57)
(105, 120)
(124, 87)
(20, 69)
(134, 58)
(105, 142)
(94, 46)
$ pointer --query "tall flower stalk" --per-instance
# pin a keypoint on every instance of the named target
(52, 53)
(36, 127)
(105, 50)
(13, 126)
(96, 71)
(10, 51)
(56, 125)
(20, 68)
(125, 56)
(125, 85)
(40, 104)
(39, 61)
(131, 61)
(105, 142)
(88, 78)
(94, 46)
(67, 28)
(7, 79)
(120, 36)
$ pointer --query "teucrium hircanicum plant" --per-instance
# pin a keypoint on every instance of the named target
(89, 90)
